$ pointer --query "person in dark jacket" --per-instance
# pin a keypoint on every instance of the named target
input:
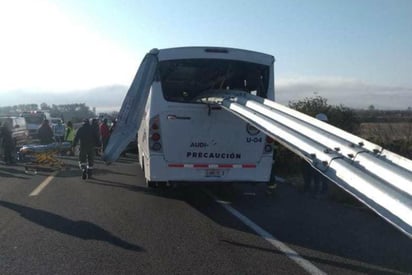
(7, 143)
(88, 139)
(45, 133)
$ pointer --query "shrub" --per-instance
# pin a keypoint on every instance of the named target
(339, 116)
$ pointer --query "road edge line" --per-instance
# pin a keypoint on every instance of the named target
(289, 252)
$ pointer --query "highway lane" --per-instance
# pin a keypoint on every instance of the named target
(113, 224)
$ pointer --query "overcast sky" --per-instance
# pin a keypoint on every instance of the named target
(351, 52)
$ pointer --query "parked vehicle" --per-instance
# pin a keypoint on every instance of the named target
(18, 127)
(55, 121)
(34, 121)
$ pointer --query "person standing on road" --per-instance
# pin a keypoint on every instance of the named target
(307, 174)
(310, 174)
(45, 133)
(272, 185)
(7, 143)
(88, 139)
(69, 137)
(58, 131)
(104, 133)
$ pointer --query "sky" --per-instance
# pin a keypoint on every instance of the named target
(354, 52)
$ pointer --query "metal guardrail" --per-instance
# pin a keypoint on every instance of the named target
(382, 180)
(132, 109)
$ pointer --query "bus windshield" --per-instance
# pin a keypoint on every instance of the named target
(184, 80)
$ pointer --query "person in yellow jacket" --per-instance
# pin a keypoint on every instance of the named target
(69, 137)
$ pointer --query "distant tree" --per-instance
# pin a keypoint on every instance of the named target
(7, 110)
(44, 106)
(311, 105)
(339, 116)
(25, 108)
(75, 112)
(344, 118)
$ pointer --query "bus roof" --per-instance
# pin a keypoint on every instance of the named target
(214, 53)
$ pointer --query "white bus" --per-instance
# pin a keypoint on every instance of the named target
(181, 139)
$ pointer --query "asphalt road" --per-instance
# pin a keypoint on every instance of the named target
(56, 223)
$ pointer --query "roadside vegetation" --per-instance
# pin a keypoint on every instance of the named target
(340, 116)
(389, 129)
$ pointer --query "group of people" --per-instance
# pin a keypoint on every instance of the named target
(59, 132)
(314, 182)
(48, 134)
(92, 137)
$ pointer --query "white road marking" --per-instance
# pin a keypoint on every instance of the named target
(43, 185)
(223, 202)
(289, 252)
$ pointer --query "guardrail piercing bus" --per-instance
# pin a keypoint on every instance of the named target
(184, 136)
(180, 139)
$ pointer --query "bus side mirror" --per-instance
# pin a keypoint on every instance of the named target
(17, 126)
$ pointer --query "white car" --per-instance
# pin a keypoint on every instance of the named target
(54, 120)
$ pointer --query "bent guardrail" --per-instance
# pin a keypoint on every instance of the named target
(380, 179)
